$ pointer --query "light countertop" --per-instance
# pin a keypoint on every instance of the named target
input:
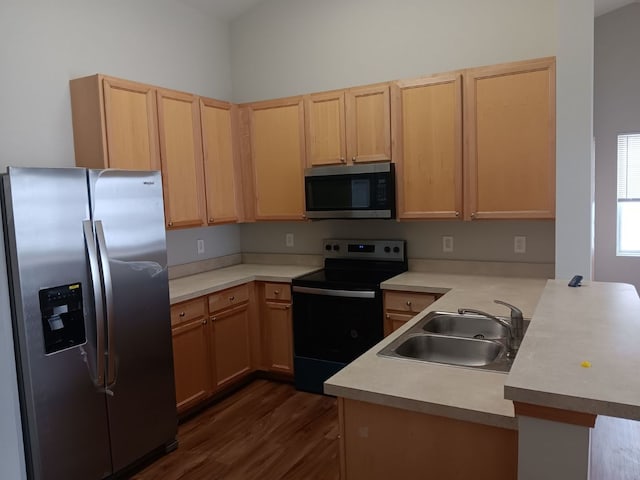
(598, 322)
(186, 288)
(456, 392)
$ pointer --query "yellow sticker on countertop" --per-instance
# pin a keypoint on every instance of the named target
(585, 364)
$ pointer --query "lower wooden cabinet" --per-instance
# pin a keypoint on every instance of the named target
(230, 340)
(190, 353)
(278, 332)
(400, 307)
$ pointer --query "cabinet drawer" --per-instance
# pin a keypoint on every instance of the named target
(408, 301)
(277, 291)
(182, 312)
(393, 321)
(229, 297)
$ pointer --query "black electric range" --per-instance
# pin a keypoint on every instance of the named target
(337, 311)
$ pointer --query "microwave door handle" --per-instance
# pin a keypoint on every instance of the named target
(94, 269)
(108, 296)
(328, 292)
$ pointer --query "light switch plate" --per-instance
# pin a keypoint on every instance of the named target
(447, 244)
(200, 244)
(288, 239)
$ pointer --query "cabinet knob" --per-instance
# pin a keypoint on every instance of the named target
(457, 214)
(211, 220)
(212, 318)
(473, 215)
(343, 160)
(232, 298)
(182, 314)
(287, 307)
(408, 303)
(387, 316)
(353, 159)
(276, 292)
(204, 322)
(170, 224)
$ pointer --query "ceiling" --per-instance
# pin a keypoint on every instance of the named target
(228, 10)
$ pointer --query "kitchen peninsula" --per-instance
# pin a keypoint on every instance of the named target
(381, 399)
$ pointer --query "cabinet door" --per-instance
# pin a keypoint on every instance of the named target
(368, 123)
(325, 128)
(130, 123)
(191, 363)
(510, 129)
(277, 152)
(219, 153)
(231, 344)
(427, 129)
(393, 321)
(181, 156)
(279, 336)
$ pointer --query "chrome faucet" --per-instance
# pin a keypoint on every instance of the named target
(515, 326)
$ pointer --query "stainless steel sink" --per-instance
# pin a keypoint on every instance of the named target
(471, 326)
(467, 352)
(465, 340)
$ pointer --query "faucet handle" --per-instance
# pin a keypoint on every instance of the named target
(516, 313)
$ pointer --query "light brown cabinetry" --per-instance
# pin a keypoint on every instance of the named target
(348, 126)
(181, 158)
(510, 134)
(219, 145)
(189, 326)
(400, 307)
(230, 334)
(278, 331)
(427, 132)
(114, 124)
(276, 136)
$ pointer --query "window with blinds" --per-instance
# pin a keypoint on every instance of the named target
(628, 194)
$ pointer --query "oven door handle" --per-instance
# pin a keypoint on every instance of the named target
(336, 293)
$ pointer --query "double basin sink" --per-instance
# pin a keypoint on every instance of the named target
(465, 340)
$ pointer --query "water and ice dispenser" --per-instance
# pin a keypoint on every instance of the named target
(62, 317)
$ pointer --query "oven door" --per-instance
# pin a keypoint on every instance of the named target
(330, 329)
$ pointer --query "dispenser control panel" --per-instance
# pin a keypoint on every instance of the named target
(62, 317)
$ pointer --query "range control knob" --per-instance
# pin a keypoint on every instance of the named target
(327, 247)
(336, 247)
(396, 249)
(387, 249)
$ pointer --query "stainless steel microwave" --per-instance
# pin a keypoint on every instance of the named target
(356, 191)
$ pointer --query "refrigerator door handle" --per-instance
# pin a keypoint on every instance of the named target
(94, 268)
(109, 307)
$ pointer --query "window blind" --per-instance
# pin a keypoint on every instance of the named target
(629, 167)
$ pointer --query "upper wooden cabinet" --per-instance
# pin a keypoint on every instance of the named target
(114, 124)
(219, 145)
(427, 132)
(348, 126)
(181, 158)
(276, 151)
(510, 135)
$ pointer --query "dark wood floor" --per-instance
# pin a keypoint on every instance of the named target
(266, 431)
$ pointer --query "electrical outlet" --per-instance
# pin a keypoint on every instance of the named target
(520, 244)
(200, 244)
(447, 244)
(288, 239)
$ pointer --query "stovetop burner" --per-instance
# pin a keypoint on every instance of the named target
(357, 264)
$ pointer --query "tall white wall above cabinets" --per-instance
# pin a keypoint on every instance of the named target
(616, 111)
(287, 47)
(44, 44)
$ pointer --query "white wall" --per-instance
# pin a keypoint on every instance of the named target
(288, 47)
(574, 139)
(616, 110)
(44, 44)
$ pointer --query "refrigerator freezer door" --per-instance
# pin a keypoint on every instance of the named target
(63, 412)
(127, 210)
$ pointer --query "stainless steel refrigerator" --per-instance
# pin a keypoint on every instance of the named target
(90, 310)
